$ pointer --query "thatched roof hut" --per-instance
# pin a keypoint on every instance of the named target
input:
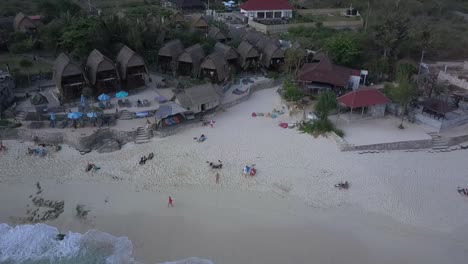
(200, 98)
(253, 37)
(126, 59)
(237, 34)
(215, 67)
(68, 75)
(247, 52)
(272, 54)
(193, 55)
(228, 52)
(23, 23)
(172, 49)
(96, 63)
(199, 22)
(177, 17)
(215, 33)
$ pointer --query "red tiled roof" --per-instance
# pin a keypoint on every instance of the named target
(363, 97)
(326, 72)
(253, 5)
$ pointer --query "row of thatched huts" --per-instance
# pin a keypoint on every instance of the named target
(99, 73)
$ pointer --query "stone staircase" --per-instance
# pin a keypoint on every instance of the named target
(142, 136)
(20, 116)
(125, 115)
(438, 143)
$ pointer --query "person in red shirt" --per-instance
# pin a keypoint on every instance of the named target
(170, 202)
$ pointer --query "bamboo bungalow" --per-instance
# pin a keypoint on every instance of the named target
(169, 54)
(200, 98)
(190, 60)
(215, 33)
(248, 55)
(198, 22)
(272, 56)
(101, 73)
(236, 34)
(215, 68)
(69, 77)
(132, 68)
(254, 37)
(178, 18)
(23, 23)
(230, 55)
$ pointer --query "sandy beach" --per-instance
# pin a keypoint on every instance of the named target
(401, 208)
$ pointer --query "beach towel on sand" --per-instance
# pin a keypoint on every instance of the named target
(254, 114)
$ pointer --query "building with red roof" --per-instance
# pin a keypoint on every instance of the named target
(370, 98)
(267, 9)
(323, 75)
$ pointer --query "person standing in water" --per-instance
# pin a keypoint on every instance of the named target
(170, 203)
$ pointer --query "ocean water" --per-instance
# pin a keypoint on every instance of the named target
(38, 244)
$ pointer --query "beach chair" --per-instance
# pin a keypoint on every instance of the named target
(120, 103)
(127, 103)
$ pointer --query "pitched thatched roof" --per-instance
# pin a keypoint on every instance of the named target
(271, 52)
(253, 37)
(246, 50)
(198, 21)
(22, 18)
(172, 49)
(97, 62)
(194, 55)
(297, 47)
(228, 52)
(128, 58)
(64, 67)
(237, 34)
(198, 95)
(177, 17)
(215, 61)
(216, 33)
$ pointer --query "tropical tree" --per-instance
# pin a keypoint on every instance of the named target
(293, 59)
(344, 48)
(26, 65)
(403, 92)
(326, 103)
(390, 34)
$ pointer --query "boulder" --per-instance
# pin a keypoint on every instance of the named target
(108, 145)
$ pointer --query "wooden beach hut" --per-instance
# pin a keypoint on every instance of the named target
(102, 73)
(169, 54)
(190, 60)
(68, 77)
(23, 23)
(248, 55)
(230, 54)
(272, 55)
(215, 68)
(216, 34)
(200, 98)
(132, 68)
(198, 22)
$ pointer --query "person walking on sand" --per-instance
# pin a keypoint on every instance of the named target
(170, 203)
(211, 123)
(217, 178)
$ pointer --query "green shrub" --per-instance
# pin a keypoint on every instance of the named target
(320, 127)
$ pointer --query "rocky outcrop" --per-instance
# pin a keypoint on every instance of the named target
(108, 145)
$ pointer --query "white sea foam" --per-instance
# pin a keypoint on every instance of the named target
(190, 261)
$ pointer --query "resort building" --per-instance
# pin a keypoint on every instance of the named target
(23, 23)
(230, 54)
(215, 33)
(190, 60)
(249, 56)
(370, 101)
(200, 98)
(132, 68)
(101, 73)
(215, 68)
(69, 77)
(267, 9)
(169, 54)
(198, 22)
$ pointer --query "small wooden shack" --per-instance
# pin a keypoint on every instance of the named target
(102, 73)
(215, 68)
(200, 98)
(248, 55)
(178, 18)
(272, 56)
(68, 77)
(216, 34)
(198, 22)
(230, 54)
(23, 23)
(132, 68)
(190, 60)
(169, 54)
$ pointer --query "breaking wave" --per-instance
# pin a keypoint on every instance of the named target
(40, 243)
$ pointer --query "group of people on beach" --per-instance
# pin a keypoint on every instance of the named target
(144, 159)
(463, 191)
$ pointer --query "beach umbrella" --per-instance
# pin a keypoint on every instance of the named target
(104, 97)
(75, 115)
(92, 115)
(121, 94)
(52, 116)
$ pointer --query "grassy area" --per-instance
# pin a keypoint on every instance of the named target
(14, 62)
(325, 17)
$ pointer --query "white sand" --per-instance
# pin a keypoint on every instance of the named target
(398, 202)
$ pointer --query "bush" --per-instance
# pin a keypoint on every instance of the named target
(87, 92)
(320, 127)
(291, 91)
